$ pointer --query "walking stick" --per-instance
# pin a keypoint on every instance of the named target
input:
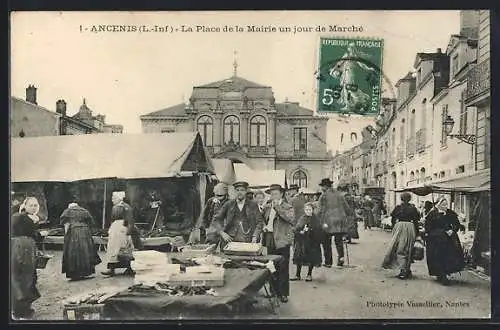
(347, 252)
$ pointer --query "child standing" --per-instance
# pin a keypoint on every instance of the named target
(307, 250)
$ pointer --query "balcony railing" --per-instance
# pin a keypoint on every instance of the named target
(399, 154)
(410, 146)
(301, 153)
(421, 140)
(258, 149)
(479, 80)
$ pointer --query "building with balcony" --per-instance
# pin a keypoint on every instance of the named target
(240, 120)
(28, 119)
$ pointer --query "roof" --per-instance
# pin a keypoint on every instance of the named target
(259, 178)
(224, 170)
(480, 181)
(427, 57)
(292, 109)
(25, 103)
(173, 111)
(409, 76)
(93, 156)
(235, 82)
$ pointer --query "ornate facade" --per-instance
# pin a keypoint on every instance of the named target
(239, 120)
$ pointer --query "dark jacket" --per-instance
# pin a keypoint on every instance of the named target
(224, 220)
(22, 225)
(77, 217)
(298, 201)
(406, 212)
(334, 211)
(211, 208)
(283, 225)
(444, 252)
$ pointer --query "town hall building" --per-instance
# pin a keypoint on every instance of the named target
(239, 120)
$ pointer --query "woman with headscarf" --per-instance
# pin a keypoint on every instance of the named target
(443, 249)
(120, 247)
(80, 254)
(399, 252)
(24, 236)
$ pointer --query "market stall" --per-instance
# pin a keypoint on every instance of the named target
(92, 166)
(476, 187)
(191, 283)
(259, 178)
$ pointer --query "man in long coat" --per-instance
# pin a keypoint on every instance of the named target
(333, 214)
(297, 200)
(212, 205)
(237, 220)
(279, 222)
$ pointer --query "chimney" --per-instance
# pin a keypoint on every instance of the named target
(469, 23)
(61, 107)
(31, 94)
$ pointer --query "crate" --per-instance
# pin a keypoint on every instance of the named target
(213, 278)
(84, 312)
(243, 249)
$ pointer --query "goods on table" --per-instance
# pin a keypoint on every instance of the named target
(81, 312)
(94, 296)
(149, 260)
(198, 249)
(243, 249)
(198, 276)
(174, 290)
(157, 275)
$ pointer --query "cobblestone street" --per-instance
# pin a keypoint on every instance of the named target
(350, 292)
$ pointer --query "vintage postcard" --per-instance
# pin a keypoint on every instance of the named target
(255, 165)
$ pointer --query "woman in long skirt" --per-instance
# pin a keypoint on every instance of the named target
(120, 247)
(23, 259)
(399, 252)
(444, 251)
(368, 218)
(80, 254)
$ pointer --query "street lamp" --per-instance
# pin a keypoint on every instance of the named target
(448, 124)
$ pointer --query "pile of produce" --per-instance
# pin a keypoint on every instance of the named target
(99, 232)
(178, 290)
(94, 297)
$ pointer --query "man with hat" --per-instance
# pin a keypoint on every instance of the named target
(297, 200)
(237, 220)
(213, 204)
(279, 219)
(292, 191)
(333, 213)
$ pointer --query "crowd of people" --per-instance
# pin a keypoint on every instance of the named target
(283, 220)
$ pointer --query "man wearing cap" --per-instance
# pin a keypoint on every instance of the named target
(213, 204)
(297, 200)
(333, 213)
(279, 222)
(238, 220)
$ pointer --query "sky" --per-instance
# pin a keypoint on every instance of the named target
(126, 74)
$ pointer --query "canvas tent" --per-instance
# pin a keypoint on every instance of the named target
(477, 182)
(88, 162)
(259, 178)
(224, 170)
(127, 156)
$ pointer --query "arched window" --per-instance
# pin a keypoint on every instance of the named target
(258, 132)
(231, 130)
(205, 127)
(300, 178)
(424, 114)
(417, 175)
(422, 174)
(412, 176)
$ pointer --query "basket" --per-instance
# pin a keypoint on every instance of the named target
(41, 261)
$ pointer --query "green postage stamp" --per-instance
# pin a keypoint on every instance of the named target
(350, 76)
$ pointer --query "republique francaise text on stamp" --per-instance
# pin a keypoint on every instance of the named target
(350, 77)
